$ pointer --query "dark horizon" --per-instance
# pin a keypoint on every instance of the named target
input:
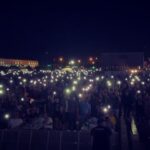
(44, 30)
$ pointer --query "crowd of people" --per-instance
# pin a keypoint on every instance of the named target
(73, 100)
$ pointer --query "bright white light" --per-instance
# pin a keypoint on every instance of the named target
(52, 81)
(80, 95)
(143, 83)
(119, 82)
(90, 85)
(112, 76)
(44, 85)
(22, 99)
(19, 77)
(7, 89)
(6, 116)
(73, 88)
(97, 78)
(68, 91)
(87, 89)
(108, 106)
(1, 86)
(31, 100)
(132, 83)
(109, 83)
(31, 81)
(75, 82)
(1, 92)
(79, 79)
(102, 77)
(134, 71)
(72, 62)
(91, 80)
(138, 92)
(11, 81)
(84, 78)
(105, 110)
(83, 89)
(24, 80)
(137, 78)
(54, 93)
(133, 80)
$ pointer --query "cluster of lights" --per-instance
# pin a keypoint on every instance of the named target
(109, 84)
(106, 109)
(133, 71)
(77, 81)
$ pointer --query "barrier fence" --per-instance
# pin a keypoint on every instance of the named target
(47, 140)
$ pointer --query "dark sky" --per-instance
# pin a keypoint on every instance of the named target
(40, 30)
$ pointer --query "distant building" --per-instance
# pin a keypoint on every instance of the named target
(18, 63)
(122, 60)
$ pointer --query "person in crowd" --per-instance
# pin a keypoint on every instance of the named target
(101, 135)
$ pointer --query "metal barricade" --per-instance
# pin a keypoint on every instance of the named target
(39, 140)
(69, 140)
(84, 140)
(54, 140)
(46, 140)
(24, 140)
(9, 140)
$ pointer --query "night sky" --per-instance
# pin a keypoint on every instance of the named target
(43, 30)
